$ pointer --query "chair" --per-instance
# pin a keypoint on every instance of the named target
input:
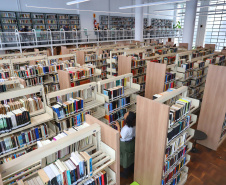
(127, 153)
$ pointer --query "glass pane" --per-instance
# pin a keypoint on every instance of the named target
(213, 40)
(215, 33)
(216, 26)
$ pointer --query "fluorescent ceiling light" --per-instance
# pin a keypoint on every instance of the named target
(74, 9)
(204, 6)
(153, 4)
(76, 2)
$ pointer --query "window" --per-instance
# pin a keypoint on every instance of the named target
(216, 25)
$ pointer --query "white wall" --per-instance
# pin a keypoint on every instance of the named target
(86, 17)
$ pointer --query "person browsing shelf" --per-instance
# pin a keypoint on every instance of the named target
(127, 133)
(127, 144)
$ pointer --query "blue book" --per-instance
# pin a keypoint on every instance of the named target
(23, 138)
(100, 180)
(68, 177)
(37, 134)
(111, 108)
(78, 119)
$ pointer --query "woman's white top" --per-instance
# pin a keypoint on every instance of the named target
(128, 133)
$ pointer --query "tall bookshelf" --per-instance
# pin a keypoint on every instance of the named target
(130, 90)
(92, 102)
(24, 19)
(195, 76)
(67, 81)
(8, 21)
(51, 21)
(38, 21)
(154, 126)
(213, 109)
(17, 20)
(134, 62)
(103, 149)
(37, 118)
(95, 57)
(116, 22)
(161, 23)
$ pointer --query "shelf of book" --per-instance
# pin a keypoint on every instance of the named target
(213, 108)
(105, 156)
(120, 96)
(75, 76)
(86, 95)
(26, 146)
(37, 117)
(193, 67)
(158, 124)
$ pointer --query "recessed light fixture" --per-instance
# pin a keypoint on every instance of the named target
(153, 4)
(76, 2)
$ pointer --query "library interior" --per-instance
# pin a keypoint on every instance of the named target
(112, 92)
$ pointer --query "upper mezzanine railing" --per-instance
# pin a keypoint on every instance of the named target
(19, 40)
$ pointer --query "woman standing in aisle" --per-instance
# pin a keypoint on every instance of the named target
(127, 133)
(127, 143)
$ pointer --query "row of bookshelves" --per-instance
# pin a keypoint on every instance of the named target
(118, 22)
(17, 20)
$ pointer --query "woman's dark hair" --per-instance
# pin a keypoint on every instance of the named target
(131, 119)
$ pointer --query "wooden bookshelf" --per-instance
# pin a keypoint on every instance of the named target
(190, 76)
(108, 148)
(92, 103)
(155, 79)
(213, 108)
(111, 137)
(154, 127)
(210, 46)
(150, 127)
(130, 90)
(44, 115)
(65, 80)
(124, 64)
(183, 45)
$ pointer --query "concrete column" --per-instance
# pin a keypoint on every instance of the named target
(189, 22)
(201, 30)
(139, 19)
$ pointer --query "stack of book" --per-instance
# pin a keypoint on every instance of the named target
(170, 81)
(116, 116)
(13, 119)
(69, 107)
(76, 120)
(30, 104)
(4, 75)
(90, 57)
(34, 81)
(137, 63)
(114, 93)
(139, 79)
(29, 71)
(117, 104)
(179, 110)
(3, 88)
(23, 139)
(138, 71)
(79, 73)
(72, 171)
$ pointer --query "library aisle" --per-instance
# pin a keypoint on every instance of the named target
(207, 167)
